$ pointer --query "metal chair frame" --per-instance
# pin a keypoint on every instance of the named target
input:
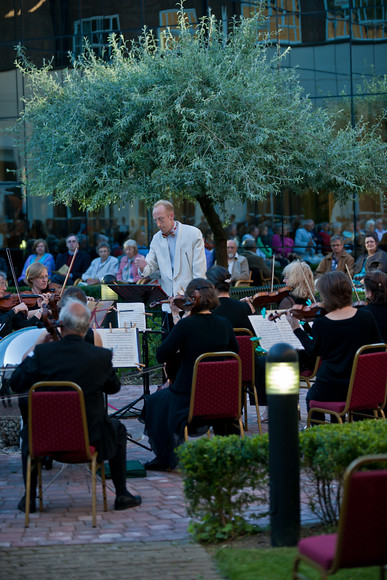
(89, 457)
(202, 358)
(248, 385)
(377, 413)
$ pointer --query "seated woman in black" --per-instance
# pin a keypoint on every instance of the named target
(335, 337)
(165, 412)
(375, 285)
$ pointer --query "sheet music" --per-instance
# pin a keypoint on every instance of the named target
(131, 313)
(272, 333)
(124, 345)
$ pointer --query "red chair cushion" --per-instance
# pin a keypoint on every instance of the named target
(335, 406)
(320, 549)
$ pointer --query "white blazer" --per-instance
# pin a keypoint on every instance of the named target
(190, 259)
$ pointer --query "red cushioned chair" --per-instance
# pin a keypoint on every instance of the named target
(57, 428)
(247, 356)
(367, 389)
(216, 388)
(307, 376)
(361, 539)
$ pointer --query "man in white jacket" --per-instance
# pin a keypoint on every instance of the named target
(176, 251)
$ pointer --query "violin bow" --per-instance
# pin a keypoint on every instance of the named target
(68, 274)
(272, 274)
(353, 285)
(8, 251)
(307, 283)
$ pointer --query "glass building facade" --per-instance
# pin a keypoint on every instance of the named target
(339, 48)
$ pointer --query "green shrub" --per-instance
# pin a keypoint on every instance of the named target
(326, 452)
(220, 477)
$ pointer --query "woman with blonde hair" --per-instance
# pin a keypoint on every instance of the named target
(299, 277)
(37, 279)
(127, 271)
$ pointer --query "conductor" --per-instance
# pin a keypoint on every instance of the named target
(73, 359)
(176, 251)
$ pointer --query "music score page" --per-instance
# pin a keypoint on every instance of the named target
(124, 345)
(273, 332)
(131, 313)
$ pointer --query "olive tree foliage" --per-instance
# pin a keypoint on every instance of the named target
(205, 120)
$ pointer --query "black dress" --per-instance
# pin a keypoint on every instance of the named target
(337, 341)
(235, 311)
(165, 412)
(379, 312)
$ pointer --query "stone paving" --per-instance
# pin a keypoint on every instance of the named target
(159, 524)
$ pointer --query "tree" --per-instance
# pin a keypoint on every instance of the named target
(204, 119)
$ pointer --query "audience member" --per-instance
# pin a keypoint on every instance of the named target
(338, 259)
(262, 245)
(379, 229)
(63, 261)
(127, 271)
(304, 244)
(40, 254)
(372, 259)
(257, 265)
(237, 265)
(324, 238)
(102, 266)
(282, 245)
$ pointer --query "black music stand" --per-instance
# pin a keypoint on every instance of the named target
(145, 293)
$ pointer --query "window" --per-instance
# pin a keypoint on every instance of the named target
(368, 19)
(97, 31)
(282, 16)
(169, 21)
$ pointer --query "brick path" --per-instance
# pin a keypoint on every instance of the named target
(156, 531)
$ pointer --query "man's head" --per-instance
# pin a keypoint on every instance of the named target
(75, 318)
(309, 225)
(73, 293)
(164, 216)
(103, 251)
(72, 243)
(249, 245)
(231, 248)
(337, 245)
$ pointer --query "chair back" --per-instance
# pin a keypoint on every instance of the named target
(57, 422)
(216, 386)
(246, 354)
(362, 533)
(368, 384)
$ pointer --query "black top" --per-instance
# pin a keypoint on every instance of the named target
(14, 321)
(236, 312)
(337, 341)
(379, 312)
(90, 367)
(194, 336)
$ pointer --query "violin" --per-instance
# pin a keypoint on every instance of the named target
(262, 299)
(8, 301)
(302, 312)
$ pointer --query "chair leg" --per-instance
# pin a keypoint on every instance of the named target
(40, 487)
(28, 493)
(186, 433)
(241, 427)
(103, 479)
(245, 407)
(257, 410)
(93, 489)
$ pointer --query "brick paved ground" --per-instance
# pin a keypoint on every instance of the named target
(156, 531)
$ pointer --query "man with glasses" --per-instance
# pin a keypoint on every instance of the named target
(176, 252)
(338, 259)
(63, 261)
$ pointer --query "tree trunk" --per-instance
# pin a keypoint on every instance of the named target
(216, 226)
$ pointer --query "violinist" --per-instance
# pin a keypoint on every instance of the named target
(37, 280)
(299, 277)
(335, 337)
(375, 284)
(15, 317)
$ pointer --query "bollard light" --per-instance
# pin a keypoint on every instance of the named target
(282, 388)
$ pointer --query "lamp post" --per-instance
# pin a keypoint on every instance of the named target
(282, 387)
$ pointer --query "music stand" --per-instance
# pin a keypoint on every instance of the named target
(145, 293)
(138, 293)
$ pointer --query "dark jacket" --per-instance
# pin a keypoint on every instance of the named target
(81, 263)
(73, 359)
(377, 261)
